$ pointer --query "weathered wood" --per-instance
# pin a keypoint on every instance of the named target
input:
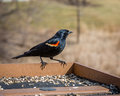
(17, 70)
(59, 90)
(96, 75)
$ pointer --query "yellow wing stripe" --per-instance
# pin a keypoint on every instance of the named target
(53, 45)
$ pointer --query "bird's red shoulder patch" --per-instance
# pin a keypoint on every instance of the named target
(53, 45)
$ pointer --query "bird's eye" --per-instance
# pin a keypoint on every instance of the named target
(67, 31)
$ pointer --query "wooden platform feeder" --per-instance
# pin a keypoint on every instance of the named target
(17, 70)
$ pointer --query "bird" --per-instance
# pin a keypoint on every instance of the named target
(49, 48)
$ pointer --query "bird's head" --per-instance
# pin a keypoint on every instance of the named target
(63, 33)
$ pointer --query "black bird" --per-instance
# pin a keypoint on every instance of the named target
(49, 48)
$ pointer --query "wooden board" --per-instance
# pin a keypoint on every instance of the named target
(96, 75)
(17, 70)
(59, 90)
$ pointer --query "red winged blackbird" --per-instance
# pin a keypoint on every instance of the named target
(49, 48)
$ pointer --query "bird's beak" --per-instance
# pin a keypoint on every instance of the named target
(70, 32)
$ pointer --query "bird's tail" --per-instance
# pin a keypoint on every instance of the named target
(23, 55)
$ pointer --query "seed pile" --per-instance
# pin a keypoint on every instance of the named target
(49, 81)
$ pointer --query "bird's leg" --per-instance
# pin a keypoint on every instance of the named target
(43, 63)
(62, 62)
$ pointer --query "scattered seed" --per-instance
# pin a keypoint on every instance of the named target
(51, 81)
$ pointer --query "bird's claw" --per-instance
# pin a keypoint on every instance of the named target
(43, 64)
(63, 63)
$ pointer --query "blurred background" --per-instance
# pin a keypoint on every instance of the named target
(95, 41)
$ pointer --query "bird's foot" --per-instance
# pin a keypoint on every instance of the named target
(62, 62)
(43, 65)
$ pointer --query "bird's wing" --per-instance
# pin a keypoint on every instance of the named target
(45, 46)
(54, 42)
(51, 42)
(35, 47)
(44, 49)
